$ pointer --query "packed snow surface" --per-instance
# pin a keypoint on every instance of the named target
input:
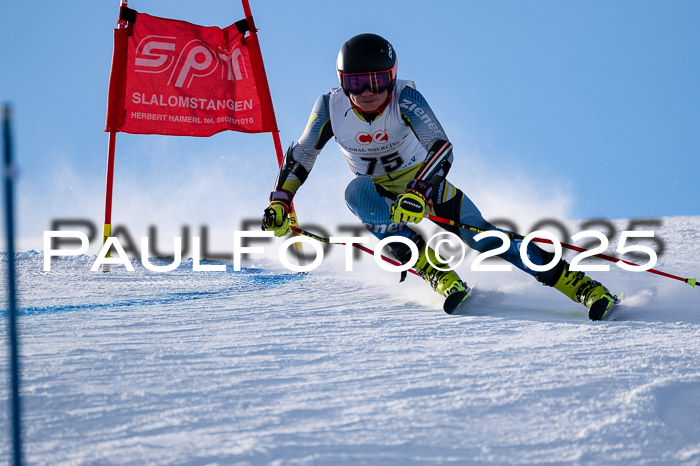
(265, 366)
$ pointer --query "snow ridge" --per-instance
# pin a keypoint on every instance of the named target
(264, 366)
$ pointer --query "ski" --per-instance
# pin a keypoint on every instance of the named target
(456, 299)
(603, 308)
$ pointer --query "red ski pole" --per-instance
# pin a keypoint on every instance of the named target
(689, 281)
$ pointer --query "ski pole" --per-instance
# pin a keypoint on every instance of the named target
(358, 246)
(15, 369)
(689, 281)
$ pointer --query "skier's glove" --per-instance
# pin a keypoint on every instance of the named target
(411, 205)
(276, 216)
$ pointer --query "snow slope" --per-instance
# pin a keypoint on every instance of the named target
(264, 366)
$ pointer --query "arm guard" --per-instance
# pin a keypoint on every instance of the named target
(289, 167)
(437, 163)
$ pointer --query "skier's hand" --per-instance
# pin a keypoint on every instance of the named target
(411, 205)
(276, 218)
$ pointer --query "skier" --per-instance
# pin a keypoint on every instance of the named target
(400, 155)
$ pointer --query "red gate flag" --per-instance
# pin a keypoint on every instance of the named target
(176, 78)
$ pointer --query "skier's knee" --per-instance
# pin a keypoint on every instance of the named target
(357, 190)
(484, 245)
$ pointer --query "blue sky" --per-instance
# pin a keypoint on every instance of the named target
(596, 103)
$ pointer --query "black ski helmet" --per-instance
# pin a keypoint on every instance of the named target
(367, 53)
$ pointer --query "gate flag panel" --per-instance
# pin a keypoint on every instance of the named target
(176, 78)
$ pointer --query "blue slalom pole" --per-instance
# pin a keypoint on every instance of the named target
(11, 286)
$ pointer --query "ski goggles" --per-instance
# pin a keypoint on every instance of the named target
(376, 81)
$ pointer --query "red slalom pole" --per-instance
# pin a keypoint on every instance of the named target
(689, 281)
(261, 77)
(107, 232)
(113, 112)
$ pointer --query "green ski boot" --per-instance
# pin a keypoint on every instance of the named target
(582, 289)
(447, 283)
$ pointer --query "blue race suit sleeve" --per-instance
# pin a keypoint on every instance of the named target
(416, 112)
